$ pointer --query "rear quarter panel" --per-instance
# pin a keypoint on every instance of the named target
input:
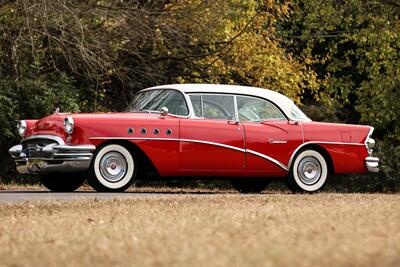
(345, 143)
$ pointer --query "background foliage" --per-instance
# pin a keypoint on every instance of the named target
(339, 58)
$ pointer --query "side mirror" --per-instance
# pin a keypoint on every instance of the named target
(163, 112)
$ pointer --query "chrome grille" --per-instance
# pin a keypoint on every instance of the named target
(33, 147)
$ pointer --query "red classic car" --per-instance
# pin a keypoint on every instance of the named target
(244, 134)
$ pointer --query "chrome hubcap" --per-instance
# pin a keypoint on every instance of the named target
(309, 170)
(113, 166)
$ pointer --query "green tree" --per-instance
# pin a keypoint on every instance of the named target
(93, 55)
(354, 48)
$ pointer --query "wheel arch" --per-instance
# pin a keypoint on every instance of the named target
(145, 164)
(320, 149)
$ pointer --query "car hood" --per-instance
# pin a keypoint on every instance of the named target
(54, 123)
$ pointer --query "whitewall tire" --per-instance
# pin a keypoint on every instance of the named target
(308, 172)
(113, 169)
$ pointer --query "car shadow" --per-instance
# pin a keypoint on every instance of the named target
(139, 192)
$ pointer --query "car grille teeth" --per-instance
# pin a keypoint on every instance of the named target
(33, 148)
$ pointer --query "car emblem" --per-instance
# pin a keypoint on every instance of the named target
(38, 148)
(277, 141)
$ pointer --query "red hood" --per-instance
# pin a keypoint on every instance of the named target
(54, 123)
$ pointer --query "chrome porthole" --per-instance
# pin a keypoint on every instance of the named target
(113, 166)
(168, 132)
(156, 131)
(309, 170)
(143, 131)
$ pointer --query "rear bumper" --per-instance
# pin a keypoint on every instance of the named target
(52, 158)
(372, 164)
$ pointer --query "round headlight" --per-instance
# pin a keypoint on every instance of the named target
(69, 125)
(370, 143)
(22, 127)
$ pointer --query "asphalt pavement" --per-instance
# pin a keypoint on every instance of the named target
(22, 196)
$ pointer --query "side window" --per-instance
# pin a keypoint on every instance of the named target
(255, 109)
(154, 100)
(218, 106)
(175, 102)
(196, 102)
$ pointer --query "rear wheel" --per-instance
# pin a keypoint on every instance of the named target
(250, 186)
(113, 169)
(63, 182)
(308, 173)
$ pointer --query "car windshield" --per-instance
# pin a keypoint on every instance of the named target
(297, 114)
(153, 100)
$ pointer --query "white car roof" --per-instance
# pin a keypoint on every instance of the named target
(280, 100)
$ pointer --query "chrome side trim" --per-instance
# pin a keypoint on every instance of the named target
(134, 138)
(213, 144)
(59, 140)
(170, 139)
(244, 150)
(283, 166)
(317, 142)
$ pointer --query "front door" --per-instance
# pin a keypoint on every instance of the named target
(212, 144)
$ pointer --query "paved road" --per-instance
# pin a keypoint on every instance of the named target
(21, 196)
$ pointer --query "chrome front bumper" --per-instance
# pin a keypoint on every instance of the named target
(372, 164)
(52, 158)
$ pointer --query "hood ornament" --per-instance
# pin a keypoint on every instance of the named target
(57, 110)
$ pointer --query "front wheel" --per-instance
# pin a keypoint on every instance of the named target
(113, 169)
(308, 173)
(63, 182)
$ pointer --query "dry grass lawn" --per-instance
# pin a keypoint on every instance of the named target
(205, 230)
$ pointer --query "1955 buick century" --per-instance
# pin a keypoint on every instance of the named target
(244, 134)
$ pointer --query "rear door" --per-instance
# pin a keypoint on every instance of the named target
(270, 137)
(212, 143)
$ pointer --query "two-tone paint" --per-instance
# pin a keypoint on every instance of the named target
(190, 146)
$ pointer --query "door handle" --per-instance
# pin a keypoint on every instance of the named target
(293, 122)
(233, 122)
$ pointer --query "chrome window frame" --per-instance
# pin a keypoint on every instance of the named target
(202, 105)
(285, 117)
(188, 103)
